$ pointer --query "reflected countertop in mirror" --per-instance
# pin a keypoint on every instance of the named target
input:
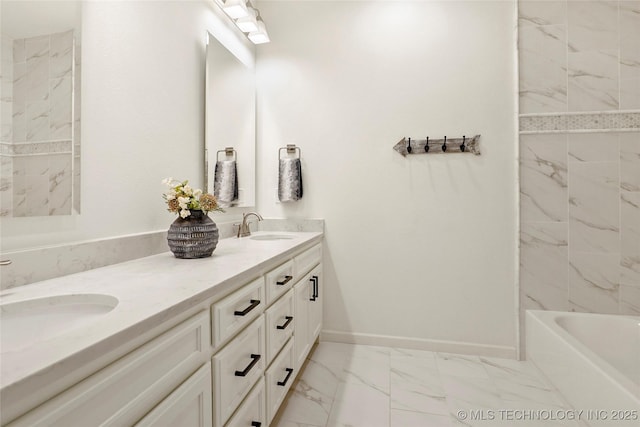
(230, 131)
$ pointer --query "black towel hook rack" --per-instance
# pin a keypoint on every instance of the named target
(409, 146)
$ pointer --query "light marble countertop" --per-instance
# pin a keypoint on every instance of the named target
(149, 290)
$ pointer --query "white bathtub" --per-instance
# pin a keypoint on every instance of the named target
(593, 360)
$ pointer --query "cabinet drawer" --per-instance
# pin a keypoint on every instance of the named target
(307, 260)
(279, 319)
(189, 405)
(236, 369)
(279, 280)
(279, 378)
(237, 310)
(123, 392)
(253, 411)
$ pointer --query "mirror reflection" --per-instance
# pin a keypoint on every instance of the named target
(39, 120)
(229, 127)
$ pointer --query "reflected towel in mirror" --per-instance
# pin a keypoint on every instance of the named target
(290, 180)
(225, 183)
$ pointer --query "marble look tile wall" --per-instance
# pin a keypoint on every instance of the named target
(37, 132)
(6, 88)
(42, 184)
(77, 135)
(6, 185)
(6, 127)
(43, 83)
(580, 222)
(579, 75)
(579, 55)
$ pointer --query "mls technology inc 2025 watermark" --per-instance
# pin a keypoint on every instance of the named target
(547, 415)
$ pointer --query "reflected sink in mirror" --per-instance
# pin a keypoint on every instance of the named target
(23, 323)
(271, 237)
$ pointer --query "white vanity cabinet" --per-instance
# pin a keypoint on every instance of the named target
(123, 392)
(188, 406)
(252, 412)
(314, 306)
(308, 303)
(234, 312)
(237, 367)
(279, 318)
(293, 314)
(227, 360)
(279, 378)
(279, 281)
(308, 313)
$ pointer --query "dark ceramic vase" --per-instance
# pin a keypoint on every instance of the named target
(195, 236)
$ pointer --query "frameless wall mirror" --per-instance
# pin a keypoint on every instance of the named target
(230, 132)
(40, 106)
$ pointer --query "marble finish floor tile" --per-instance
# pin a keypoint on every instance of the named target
(310, 398)
(409, 419)
(359, 405)
(461, 365)
(416, 386)
(368, 367)
(357, 385)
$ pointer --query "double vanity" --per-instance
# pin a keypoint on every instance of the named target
(163, 341)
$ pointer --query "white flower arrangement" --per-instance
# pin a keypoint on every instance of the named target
(182, 198)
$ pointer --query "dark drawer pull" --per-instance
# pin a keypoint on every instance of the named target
(314, 292)
(317, 282)
(254, 304)
(256, 423)
(289, 372)
(256, 358)
(286, 280)
(285, 324)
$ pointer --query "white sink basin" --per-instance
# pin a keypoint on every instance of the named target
(23, 323)
(271, 237)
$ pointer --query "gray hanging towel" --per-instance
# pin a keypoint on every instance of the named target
(290, 180)
(225, 183)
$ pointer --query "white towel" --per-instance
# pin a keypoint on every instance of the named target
(290, 180)
(225, 183)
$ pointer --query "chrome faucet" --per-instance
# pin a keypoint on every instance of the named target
(5, 262)
(244, 230)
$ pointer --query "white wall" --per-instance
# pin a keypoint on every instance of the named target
(423, 247)
(143, 70)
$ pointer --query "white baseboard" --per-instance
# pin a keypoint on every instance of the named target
(475, 349)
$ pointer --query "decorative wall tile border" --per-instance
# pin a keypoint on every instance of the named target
(612, 121)
(35, 148)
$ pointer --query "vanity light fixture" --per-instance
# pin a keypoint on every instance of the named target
(249, 23)
(260, 35)
(247, 18)
(235, 8)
